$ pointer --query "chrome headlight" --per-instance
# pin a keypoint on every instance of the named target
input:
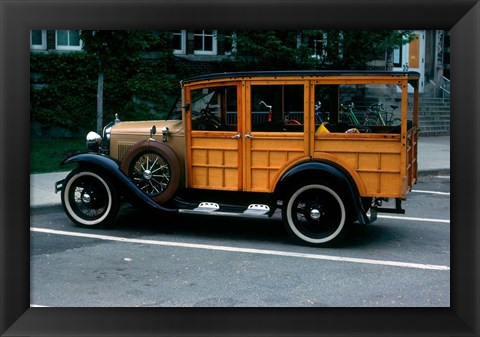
(97, 143)
(94, 140)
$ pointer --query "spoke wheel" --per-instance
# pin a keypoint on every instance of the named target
(316, 215)
(151, 173)
(154, 168)
(89, 198)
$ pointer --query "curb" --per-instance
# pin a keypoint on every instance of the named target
(47, 206)
(433, 172)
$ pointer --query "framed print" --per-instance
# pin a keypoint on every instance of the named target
(18, 19)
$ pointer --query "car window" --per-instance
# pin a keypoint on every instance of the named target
(214, 109)
(277, 108)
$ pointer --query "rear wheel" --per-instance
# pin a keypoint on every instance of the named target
(315, 214)
(396, 122)
(89, 198)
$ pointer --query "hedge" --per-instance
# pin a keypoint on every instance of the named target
(63, 90)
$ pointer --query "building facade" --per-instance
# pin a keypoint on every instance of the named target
(428, 53)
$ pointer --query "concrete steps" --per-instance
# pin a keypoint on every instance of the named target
(434, 116)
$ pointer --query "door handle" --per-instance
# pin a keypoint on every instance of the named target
(249, 135)
(238, 135)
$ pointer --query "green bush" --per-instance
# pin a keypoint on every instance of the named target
(63, 91)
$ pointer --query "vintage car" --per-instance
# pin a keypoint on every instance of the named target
(251, 143)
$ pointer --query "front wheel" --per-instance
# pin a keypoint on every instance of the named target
(316, 215)
(89, 198)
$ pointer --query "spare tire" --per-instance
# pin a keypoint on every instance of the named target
(154, 168)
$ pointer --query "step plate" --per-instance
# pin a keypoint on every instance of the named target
(207, 207)
(212, 208)
(257, 209)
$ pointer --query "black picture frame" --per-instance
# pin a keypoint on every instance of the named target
(17, 18)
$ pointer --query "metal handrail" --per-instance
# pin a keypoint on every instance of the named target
(445, 87)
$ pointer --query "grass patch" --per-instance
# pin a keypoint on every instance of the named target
(47, 154)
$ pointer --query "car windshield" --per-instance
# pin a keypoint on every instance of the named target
(176, 109)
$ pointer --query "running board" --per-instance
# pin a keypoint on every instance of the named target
(215, 209)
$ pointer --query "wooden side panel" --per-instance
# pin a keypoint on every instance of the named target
(214, 163)
(269, 153)
(375, 158)
(412, 165)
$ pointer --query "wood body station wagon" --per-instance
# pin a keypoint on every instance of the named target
(308, 143)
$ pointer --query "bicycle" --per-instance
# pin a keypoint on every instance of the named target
(347, 114)
(374, 116)
(286, 119)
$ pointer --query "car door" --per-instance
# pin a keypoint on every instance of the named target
(276, 121)
(214, 136)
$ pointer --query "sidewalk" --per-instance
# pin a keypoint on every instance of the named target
(433, 159)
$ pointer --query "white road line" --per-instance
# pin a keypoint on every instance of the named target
(396, 217)
(431, 192)
(244, 250)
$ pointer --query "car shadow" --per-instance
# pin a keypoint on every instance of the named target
(218, 228)
(137, 222)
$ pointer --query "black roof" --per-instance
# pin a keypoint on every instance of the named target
(319, 73)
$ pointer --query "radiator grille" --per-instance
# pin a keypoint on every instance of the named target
(122, 149)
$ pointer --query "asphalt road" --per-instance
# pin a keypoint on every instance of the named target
(154, 260)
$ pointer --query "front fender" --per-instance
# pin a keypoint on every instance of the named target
(323, 171)
(95, 159)
(111, 167)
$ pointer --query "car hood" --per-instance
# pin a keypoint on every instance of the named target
(144, 127)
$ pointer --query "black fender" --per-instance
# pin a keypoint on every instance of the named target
(111, 166)
(328, 172)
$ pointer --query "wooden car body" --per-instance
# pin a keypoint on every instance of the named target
(263, 135)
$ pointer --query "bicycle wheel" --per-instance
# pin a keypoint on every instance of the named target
(395, 122)
(370, 122)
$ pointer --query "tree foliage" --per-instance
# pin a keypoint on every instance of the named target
(119, 46)
(316, 49)
(124, 49)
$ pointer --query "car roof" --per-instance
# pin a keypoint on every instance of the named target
(304, 73)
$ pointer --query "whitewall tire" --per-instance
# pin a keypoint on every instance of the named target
(89, 198)
(315, 214)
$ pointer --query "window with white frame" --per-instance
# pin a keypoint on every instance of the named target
(179, 42)
(205, 42)
(318, 45)
(68, 40)
(38, 39)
